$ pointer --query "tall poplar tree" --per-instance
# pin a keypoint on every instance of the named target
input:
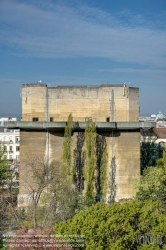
(67, 148)
(90, 153)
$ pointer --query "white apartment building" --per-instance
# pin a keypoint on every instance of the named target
(11, 139)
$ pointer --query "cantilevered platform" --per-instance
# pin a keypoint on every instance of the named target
(58, 126)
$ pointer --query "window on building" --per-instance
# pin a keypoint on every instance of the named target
(10, 157)
(51, 119)
(17, 148)
(107, 119)
(17, 139)
(35, 119)
(5, 138)
(10, 148)
(11, 139)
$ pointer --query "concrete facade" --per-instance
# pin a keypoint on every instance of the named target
(104, 104)
(116, 102)
(126, 150)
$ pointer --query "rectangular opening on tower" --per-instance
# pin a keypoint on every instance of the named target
(35, 119)
(107, 119)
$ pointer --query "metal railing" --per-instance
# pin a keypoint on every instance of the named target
(10, 142)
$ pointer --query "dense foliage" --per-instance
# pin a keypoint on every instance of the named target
(152, 183)
(90, 152)
(96, 162)
(136, 224)
(53, 198)
(4, 167)
(118, 226)
(7, 194)
(67, 149)
(150, 152)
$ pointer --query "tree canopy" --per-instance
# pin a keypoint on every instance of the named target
(150, 152)
(152, 183)
(120, 226)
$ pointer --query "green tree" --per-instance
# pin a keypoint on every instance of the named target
(150, 152)
(152, 183)
(162, 161)
(53, 198)
(67, 149)
(90, 153)
(4, 167)
(118, 226)
(7, 199)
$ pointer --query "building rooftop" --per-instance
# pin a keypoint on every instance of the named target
(74, 86)
(160, 115)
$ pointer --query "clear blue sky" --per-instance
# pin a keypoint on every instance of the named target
(83, 42)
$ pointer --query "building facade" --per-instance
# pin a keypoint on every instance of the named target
(106, 103)
(11, 139)
(114, 109)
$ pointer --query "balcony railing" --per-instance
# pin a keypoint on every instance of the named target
(10, 142)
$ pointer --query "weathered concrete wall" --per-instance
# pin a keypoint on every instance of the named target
(133, 100)
(33, 144)
(127, 158)
(124, 146)
(34, 102)
(55, 145)
(81, 101)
